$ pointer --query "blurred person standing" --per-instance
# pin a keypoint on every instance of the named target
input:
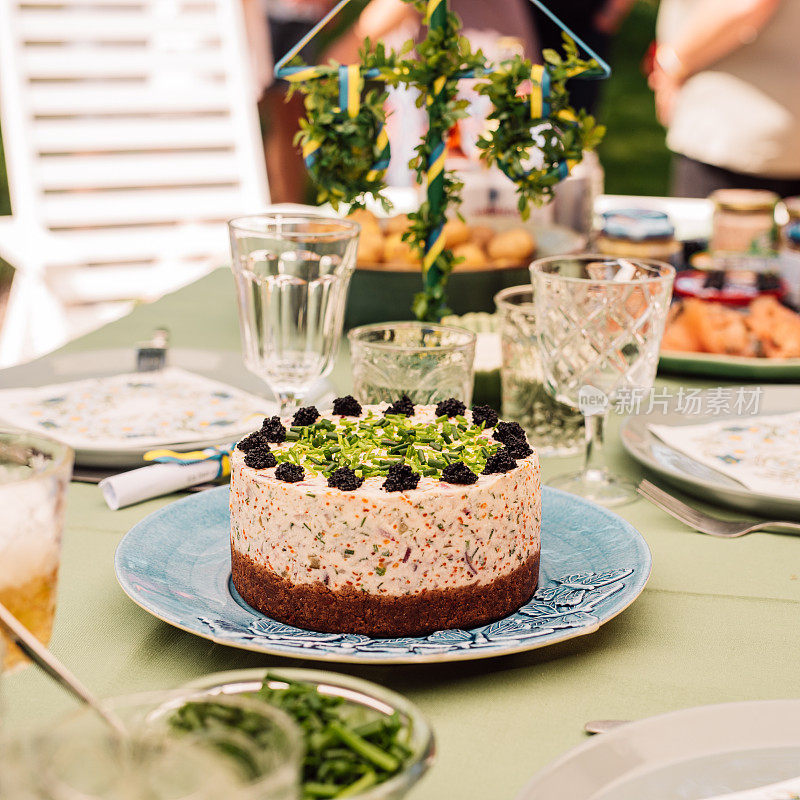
(726, 78)
(381, 18)
(286, 22)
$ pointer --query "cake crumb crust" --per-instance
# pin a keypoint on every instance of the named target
(316, 607)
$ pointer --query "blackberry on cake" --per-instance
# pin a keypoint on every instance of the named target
(252, 442)
(261, 458)
(345, 479)
(450, 408)
(307, 415)
(347, 406)
(400, 478)
(273, 430)
(402, 406)
(459, 473)
(506, 432)
(518, 448)
(484, 414)
(501, 461)
(289, 473)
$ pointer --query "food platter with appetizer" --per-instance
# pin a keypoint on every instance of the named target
(709, 338)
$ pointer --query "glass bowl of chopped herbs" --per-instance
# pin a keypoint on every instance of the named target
(177, 745)
(361, 741)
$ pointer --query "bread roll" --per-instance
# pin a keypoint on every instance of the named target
(482, 235)
(370, 246)
(366, 219)
(514, 245)
(455, 233)
(397, 251)
(471, 255)
(398, 224)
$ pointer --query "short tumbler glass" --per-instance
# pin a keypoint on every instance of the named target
(167, 754)
(34, 475)
(425, 361)
(599, 322)
(292, 274)
(554, 428)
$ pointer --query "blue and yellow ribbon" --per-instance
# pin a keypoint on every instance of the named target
(220, 454)
(350, 83)
(310, 153)
(540, 92)
(303, 74)
(435, 172)
(384, 154)
(435, 12)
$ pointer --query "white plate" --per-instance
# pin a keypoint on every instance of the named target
(696, 478)
(225, 366)
(697, 753)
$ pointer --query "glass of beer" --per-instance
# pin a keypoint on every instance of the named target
(34, 474)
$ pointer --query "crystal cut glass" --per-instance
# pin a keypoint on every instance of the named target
(554, 429)
(427, 362)
(600, 321)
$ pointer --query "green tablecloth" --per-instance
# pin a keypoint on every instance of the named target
(718, 621)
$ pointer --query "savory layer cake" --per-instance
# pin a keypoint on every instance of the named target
(386, 520)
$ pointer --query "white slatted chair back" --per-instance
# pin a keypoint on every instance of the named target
(131, 135)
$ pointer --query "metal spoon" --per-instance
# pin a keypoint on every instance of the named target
(43, 658)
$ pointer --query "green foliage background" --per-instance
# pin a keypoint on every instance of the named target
(633, 152)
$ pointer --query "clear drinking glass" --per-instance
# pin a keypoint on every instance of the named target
(600, 322)
(554, 428)
(80, 758)
(292, 274)
(427, 362)
(34, 475)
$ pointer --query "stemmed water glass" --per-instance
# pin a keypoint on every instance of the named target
(600, 322)
(292, 273)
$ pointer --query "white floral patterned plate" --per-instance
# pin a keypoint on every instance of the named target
(176, 565)
(699, 479)
(111, 415)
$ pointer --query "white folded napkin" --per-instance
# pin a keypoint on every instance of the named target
(762, 453)
(145, 483)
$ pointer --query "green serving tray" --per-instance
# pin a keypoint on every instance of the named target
(384, 294)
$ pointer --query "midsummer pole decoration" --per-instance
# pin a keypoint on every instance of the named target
(346, 149)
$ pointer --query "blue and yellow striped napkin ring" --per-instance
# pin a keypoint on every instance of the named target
(220, 454)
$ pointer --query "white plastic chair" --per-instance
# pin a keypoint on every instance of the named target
(131, 134)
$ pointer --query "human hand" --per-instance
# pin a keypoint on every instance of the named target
(666, 88)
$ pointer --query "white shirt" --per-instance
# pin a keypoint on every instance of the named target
(743, 112)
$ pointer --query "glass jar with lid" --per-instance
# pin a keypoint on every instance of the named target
(637, 233)
(744, 222)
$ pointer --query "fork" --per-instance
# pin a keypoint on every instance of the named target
(706, 523)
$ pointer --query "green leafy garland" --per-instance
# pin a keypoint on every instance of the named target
(343, 165)
(562, 136)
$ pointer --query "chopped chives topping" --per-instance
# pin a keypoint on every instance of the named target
(369, 445)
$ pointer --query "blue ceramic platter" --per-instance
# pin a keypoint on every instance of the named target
(176, 564)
